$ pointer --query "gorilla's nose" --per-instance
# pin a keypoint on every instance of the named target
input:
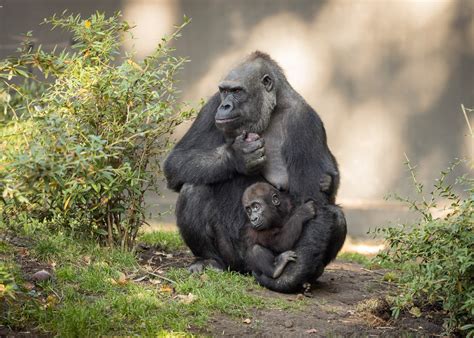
(226, 106)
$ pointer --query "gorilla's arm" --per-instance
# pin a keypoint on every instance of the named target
(291, 230)
(308, 158)
(205, 156)
(201, 156)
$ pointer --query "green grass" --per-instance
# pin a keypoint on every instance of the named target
(166, 240)
(354, 257)
(86, 297)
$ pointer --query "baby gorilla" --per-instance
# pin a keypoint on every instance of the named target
(275, 226)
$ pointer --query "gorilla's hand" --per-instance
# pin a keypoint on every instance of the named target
(308, 210)
(248, 153)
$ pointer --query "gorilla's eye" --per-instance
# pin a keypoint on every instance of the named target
(248, 210)
(255, 206)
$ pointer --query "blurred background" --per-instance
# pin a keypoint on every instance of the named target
(387, 77)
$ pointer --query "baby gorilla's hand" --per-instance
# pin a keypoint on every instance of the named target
(310, 209)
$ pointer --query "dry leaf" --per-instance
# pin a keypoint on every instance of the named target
(187, 299)
(23, 251)
(247, 321)
(415, 311)
(166, 289)
(29, 286)
(155, 281)
(2, 288)
(87, 260)
(311, 331)
(122, 279)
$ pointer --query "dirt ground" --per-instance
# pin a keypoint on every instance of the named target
(347, 300)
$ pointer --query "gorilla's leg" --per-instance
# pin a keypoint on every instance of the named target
(338, 233)
(196, 222)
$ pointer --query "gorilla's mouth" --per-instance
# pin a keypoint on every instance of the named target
(257, 224)
(227, 120)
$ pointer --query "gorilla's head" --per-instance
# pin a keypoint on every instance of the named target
(249, 95)
(264, 205)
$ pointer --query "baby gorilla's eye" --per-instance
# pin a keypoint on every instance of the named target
(255, 206)
(248, 210)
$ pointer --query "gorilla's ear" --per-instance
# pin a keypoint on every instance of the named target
(267, 82)
(275, 200)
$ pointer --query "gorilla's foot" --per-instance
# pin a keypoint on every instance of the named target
(200, 264)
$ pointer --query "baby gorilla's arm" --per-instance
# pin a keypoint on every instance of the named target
(291, 230)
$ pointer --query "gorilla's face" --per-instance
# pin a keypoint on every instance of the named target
(261, 202)
(247, 100)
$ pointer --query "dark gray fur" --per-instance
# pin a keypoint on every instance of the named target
(211, 167)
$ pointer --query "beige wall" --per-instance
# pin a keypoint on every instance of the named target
(387, 77)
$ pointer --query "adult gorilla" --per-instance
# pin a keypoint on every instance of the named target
(217, 160)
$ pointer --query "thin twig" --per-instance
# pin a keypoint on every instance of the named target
(467, 119)
(159, 276)
(378, 273)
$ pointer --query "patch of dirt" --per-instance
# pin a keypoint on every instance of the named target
(346, 300)
(337, 306)
(160, 259)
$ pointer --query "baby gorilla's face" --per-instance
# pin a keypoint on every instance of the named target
(261, 202)
(257, 212)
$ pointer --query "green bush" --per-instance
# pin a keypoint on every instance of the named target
(97, 128)
(436, 254)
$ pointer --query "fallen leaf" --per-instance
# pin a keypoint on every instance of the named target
(187, 299)
(415, 311)
(166, 289)
(311, 331)
(28, 286)
(247, 321)
(87, 260)
(122, 279)
(155, 281)
(51, 301)
(23, 251)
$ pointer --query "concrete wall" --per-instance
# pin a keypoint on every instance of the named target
(387, 77)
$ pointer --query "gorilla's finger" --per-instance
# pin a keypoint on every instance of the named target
(257, 153)
(256, 164)
(252, 146)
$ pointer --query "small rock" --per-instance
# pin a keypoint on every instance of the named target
(41, 276)
(247, 321)
(288, 324)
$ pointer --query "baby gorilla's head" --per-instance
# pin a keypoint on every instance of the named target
(261, 202)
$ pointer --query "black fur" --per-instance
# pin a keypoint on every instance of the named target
(209, 213)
